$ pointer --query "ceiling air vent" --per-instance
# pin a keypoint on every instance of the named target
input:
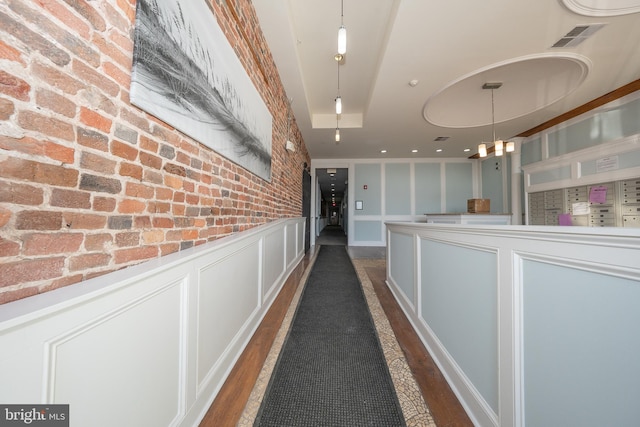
(441, 138)
(577, 35)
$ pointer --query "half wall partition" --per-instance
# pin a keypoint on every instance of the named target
(532, 326)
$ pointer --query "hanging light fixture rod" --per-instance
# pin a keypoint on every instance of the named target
(342, 32)
(338, 99)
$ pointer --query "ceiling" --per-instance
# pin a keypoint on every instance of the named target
(449, 50)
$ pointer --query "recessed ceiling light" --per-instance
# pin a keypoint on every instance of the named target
(414, 151)
(439, 150)
(467, 150)
(383, 151)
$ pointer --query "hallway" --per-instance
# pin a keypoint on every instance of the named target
(239, 399)
(332, 235)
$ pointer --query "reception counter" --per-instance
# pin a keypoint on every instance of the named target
(469, 218)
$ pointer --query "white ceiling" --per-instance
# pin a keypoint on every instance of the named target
(451, 48)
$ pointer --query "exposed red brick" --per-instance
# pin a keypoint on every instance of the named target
(169, 248)
(51, 243)
(135, 119)
(60, 283)
(39, 172)
(149, 144)
(131, 206)
(20, 194)
(113, 52)
(7, 108)
(189, 234)
(89, 13)
(116, 19)
(5, 217)
(164, 193)
(65, 16)
(188, 186)
(100, 183)
(123, 256)
(36, 147)
(126, 151)
(7, 247)
(152, 176)
(104, 204)
(48, 126)
(127, 239)
(88, 261)
(16, 294)
(97, 242)
(139, 190)
(7, 52)
(79, 221)
(56, 78)
(124, 42)
(152, 236)
(93, 139)
(38, 220)
(92, 77)
(150, 160)
(163, 222)
(70, 198)
(175, 169)
(29, 270)
(33, 40)
(54, 32)
(55, 102)
(178, 210)
(95, 120)
(127, 8)
(132, 170)
(117, 74)
(173, 181)
(59, 152)
(13, 86)
(97, 163)
(158, 207)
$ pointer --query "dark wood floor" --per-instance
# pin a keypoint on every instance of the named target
(232, 398)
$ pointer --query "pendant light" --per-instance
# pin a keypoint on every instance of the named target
(342, 32)
(499, 146)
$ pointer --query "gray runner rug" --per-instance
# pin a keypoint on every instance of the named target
(331, 370)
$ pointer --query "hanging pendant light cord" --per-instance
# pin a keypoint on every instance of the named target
(493, 118)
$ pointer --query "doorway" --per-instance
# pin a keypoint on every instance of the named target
(331, 205)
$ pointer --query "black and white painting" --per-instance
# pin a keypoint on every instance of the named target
(186, 74)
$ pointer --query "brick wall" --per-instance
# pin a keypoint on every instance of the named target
(89, 183)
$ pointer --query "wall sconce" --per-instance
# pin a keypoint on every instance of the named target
(290, 146)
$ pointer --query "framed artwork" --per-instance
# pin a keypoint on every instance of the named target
(186, 74)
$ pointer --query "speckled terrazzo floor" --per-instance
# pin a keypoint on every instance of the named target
(413, 406)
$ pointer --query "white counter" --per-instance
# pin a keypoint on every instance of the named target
(469, 218)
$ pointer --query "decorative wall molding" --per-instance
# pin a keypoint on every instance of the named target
(600, 255)
(165, 329)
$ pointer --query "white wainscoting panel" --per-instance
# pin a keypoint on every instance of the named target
(274, 259)
(549, 313)
(228, 296)
(149, 345)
